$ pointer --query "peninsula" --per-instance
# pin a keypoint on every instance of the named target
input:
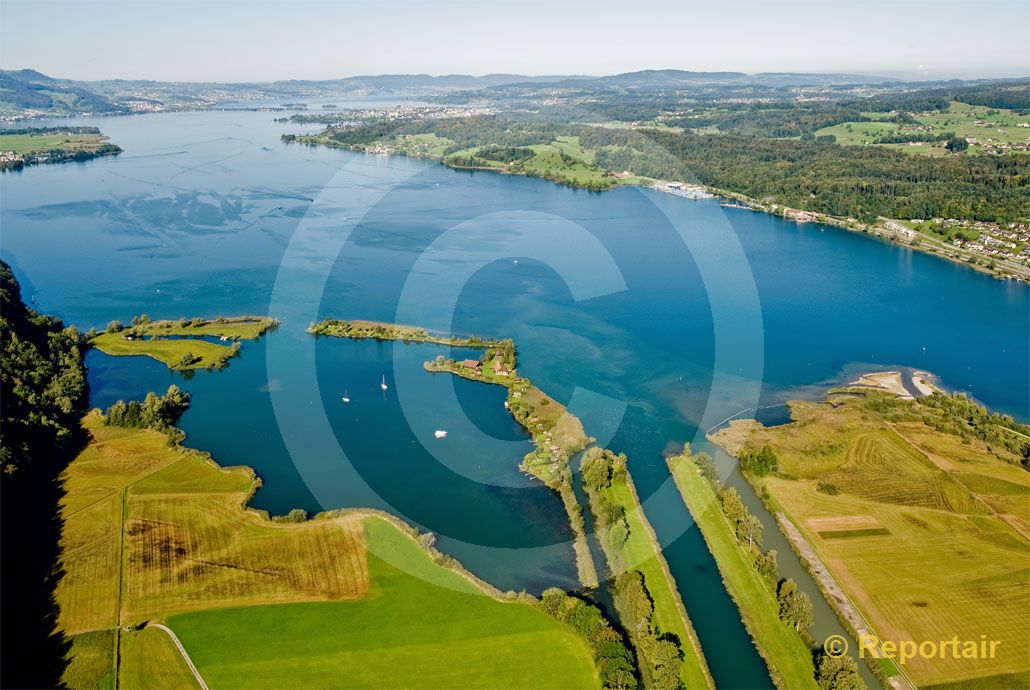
(938, 487)
(557, 435)
(40, 145)
(668, 653)
(185, 344)
(926, 170)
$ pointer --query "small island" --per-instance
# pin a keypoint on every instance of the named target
(181, 344)
(40, 145)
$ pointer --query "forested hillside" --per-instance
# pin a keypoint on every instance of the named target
(42, 397)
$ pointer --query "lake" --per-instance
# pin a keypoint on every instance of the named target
(652, 317)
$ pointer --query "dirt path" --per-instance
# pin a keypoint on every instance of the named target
(835, 595)
(182, 650)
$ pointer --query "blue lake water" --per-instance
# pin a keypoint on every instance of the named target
(651, 316)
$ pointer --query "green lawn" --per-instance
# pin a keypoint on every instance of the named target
(236, 328)
(787, 656)
(409, 632)
(171, 352)
(151, 340)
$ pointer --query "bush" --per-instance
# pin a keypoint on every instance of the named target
(759, 463)
(155, 412)
(765, 564)
(188, 359)
(828, 488)
(295, 515)
(114, 327)
(613, 659)
(838, 673)
(706, 466)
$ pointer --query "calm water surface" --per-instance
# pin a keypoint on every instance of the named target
(197, 214)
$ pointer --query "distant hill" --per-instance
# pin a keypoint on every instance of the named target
(27, 89)
(806, 79)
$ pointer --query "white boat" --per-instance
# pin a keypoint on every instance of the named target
(383, 384)
(439, 433)
(346, 397)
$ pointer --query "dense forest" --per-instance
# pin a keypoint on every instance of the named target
(857, 182)
(42, 378)
(43, 393)
(778, 119)
(1013, 95)
(817, 175)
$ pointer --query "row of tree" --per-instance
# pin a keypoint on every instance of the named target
(960, 416)
(659, 653)
(42, 377)
(613, 659)
(795, 606)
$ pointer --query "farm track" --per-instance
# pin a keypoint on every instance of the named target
(182, 650)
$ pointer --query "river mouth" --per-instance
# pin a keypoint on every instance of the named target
(194, 220)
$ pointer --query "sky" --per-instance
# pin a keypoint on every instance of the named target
(243, 40)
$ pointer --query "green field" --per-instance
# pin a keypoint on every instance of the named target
(408, 632)
(989, 127)
(23, 144)
(235, 328)
(789, 659)
(151, 529)
(429, 145)
(149, 659)
(153, 532)
(201, 353)
(91, 661)
(187, 350)
(939, 541)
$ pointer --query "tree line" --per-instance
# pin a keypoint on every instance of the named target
(43, 394)
(795, 606)
(659, 653)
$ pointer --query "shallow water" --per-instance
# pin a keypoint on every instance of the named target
(672, 316)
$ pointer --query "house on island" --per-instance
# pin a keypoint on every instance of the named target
(470, 364)
(499, 368)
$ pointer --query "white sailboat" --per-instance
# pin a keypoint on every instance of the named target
(383, 384)
(439, 433)
(346, 397)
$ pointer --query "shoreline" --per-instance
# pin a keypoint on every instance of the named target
(555, 444)
(842, 601)
(683, 470)
(615, 556)
(920, 242)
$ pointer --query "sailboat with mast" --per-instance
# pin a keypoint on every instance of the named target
(346, 397)
(383, 384)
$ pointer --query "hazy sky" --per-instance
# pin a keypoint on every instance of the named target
(238, 40)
